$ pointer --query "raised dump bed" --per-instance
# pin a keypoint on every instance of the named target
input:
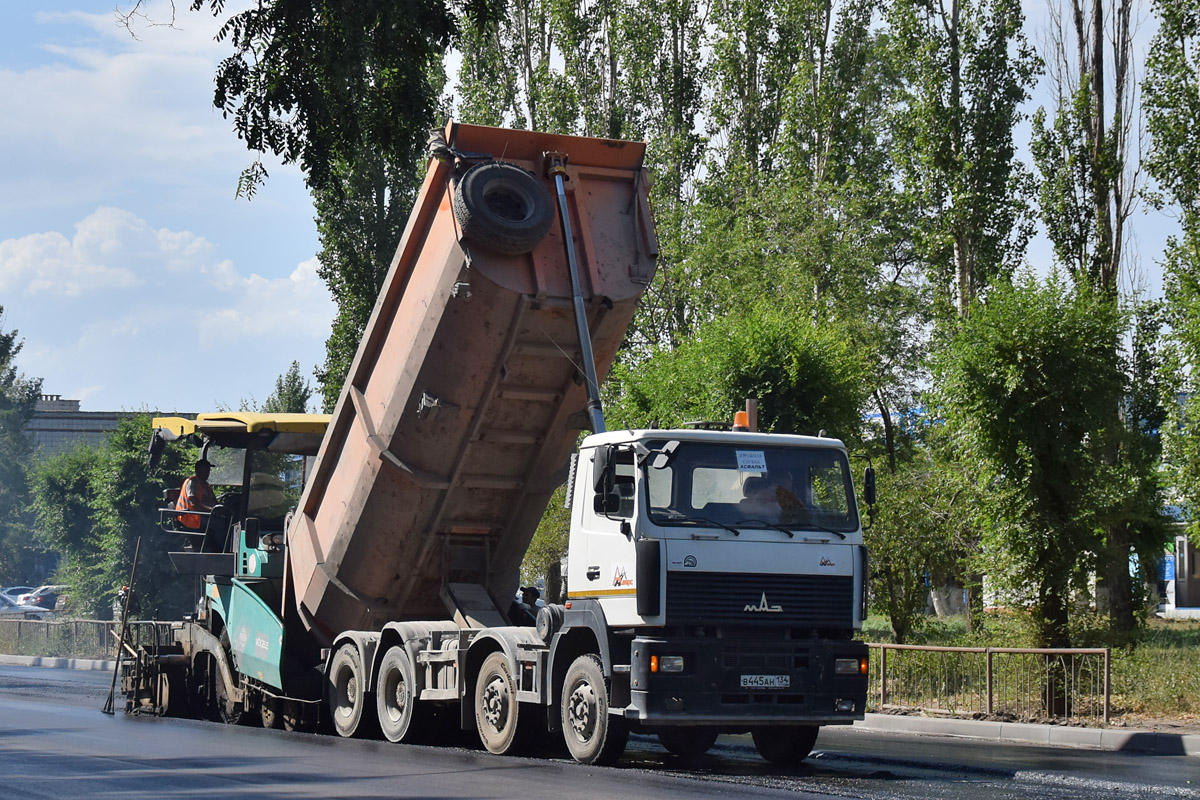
(467, 395)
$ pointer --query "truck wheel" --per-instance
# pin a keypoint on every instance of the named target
(786, 746)
(687, 742)
(295, 716)
(401, 717)
(502, 207)
(592, 735)
(345, 694)
(503, 727)
(229, 711)
(268, 709)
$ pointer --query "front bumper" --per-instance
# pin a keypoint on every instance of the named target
(801, 684)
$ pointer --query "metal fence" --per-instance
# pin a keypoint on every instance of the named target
(83, 638)
(1027, 684)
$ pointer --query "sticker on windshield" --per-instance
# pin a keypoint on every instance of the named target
(752, 461)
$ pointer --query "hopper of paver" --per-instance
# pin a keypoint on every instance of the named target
(467, 395)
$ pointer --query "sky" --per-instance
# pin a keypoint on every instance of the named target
(134, 276)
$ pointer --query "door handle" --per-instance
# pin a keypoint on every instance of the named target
(593, 573)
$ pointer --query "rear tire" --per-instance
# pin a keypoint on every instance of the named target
(788, 745)
(345, 693)
(687, 742)
(592, 734)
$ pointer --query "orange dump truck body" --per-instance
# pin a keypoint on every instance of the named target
(465, 398)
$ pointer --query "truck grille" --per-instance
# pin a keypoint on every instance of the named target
(709, 598)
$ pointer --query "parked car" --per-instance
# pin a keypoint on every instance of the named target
(43, 597)
(14, 592)
(11, 610)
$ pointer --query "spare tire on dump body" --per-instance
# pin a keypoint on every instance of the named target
(503, 208)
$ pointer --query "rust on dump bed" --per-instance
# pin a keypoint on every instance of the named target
(465, 398)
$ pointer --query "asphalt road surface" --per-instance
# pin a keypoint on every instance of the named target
(55, 743)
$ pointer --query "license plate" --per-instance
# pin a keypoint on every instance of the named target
(766, 681)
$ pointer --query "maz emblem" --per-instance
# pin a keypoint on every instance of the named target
(763, 606)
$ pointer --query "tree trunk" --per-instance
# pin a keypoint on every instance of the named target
(1116, 581)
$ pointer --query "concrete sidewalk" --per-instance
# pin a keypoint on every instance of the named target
(1122, 740)
(1113, 739)
(56, 663)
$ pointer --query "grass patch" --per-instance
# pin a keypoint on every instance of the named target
(1155, 674)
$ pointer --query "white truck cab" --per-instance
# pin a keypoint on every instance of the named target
(735, 564)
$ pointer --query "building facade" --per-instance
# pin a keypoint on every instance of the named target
(58, 426)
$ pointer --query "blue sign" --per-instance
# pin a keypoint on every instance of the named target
(1166, 568)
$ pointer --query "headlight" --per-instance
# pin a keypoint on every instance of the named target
(666, 663)
(850, 666)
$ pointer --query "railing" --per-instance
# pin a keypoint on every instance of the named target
(1028, 684)
(84, 638)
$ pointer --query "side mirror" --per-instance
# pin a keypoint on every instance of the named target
(607, 503)
(157, 445)
(604, 471)
(869, 486)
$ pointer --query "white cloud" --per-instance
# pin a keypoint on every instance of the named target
(175, 327)
(109, 109)
(51, 264)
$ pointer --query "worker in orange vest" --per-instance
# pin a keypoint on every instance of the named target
(195, 495)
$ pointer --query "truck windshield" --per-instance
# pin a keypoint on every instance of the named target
(754, 487)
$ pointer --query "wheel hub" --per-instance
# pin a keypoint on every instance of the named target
(495, 704)
(583, 710)
(399, 698)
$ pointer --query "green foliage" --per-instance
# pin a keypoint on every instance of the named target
(92, 504)
(19, 555)
(1172, 105)
(925, 529)
(1027, 387)
(291, 394)
(1063, 157)
(347, 89)
(806, 377)
(968, 68)
(549, 543)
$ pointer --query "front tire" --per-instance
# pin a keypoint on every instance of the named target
(345, 693)
(786, 746)
(592, 735)
(228, 710)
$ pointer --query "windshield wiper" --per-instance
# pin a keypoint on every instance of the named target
(767, 524)
(702, 521)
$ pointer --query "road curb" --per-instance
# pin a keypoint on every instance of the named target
(1123, 740)
(57, 663)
